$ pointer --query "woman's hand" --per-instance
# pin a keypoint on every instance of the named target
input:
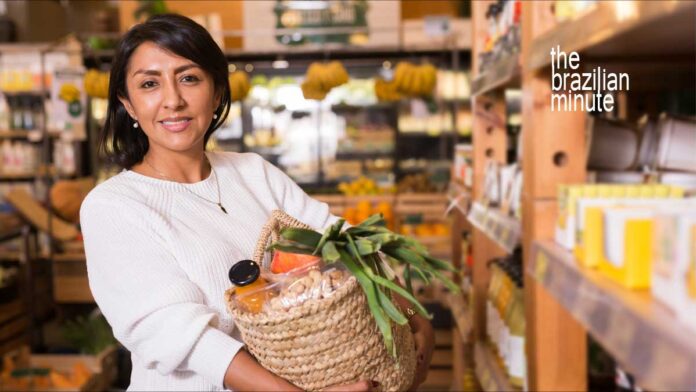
(245, 374)
(360, 386)
(424, 339)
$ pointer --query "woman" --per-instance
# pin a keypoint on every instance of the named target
(161, 235)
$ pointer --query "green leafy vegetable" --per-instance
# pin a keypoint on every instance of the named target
(358, 248)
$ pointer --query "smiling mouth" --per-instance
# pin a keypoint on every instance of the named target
(176, 125)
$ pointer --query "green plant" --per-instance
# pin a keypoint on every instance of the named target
(149, 8)
(90, 335)
(359, 248)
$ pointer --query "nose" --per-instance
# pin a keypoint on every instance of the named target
(172, 96)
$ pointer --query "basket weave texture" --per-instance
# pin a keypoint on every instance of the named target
(324, 342)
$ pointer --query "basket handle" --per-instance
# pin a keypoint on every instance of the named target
(271, 231)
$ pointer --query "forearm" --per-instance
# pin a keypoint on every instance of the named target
(245, 374)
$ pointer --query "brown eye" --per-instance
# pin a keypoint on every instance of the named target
(148, 84)
(190, 78)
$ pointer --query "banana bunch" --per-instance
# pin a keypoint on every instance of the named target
(386, 91)
(415, 80)
(69, 93)
(321, 78)
(239, 85)
(96, 83)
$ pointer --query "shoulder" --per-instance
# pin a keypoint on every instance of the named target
(238, 160)
(119, 193)
(247, 165)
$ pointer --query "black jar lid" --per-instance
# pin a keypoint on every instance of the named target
(244, 272)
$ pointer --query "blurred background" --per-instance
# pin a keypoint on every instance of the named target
(416, 109)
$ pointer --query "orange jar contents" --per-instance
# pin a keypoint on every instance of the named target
(249, 291)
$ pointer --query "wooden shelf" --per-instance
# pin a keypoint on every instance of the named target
(504, 73)
(459, 197)
(622, 29)
(639, 332)
(501, 228)
(461, 314)
(11, 310)
(488, 370)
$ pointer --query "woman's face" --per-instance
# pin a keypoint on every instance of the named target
(171, 97)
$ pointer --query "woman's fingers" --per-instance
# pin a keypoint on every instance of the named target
(360, 386)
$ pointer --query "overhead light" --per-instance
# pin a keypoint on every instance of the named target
(248, 67)
(280, 64)
(231, 68)
(386, 64)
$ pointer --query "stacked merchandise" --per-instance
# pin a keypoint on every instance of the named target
(503, 34)
(505, 321)
(646, 151)
(641, 236)
(19, 158)
(503, 188)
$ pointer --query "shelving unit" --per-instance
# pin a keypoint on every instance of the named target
(490, 373)
(502, 229)
(640, 333)
(563, 302)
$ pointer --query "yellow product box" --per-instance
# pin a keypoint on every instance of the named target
(566, 232)
(589, 246)
(674, 261)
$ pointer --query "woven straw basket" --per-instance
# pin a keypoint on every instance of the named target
(324, 342)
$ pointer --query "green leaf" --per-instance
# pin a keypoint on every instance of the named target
(384, 238)
(290, 247)
(373, 220)
(309, 238)
(382, 322)
(366, 247)
(331, 233)
(439, 264)
(407, 279)
(402, 292)
(451, 286)
(329, 252)
(389, 308)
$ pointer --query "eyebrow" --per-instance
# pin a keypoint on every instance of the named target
(155, 72)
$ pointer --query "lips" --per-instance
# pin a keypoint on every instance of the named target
(177, 124)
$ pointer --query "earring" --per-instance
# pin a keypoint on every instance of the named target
(135, 124)
(215, 116)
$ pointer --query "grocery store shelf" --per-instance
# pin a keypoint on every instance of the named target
(355, 108)
(10, 310)
(504, 73)
(499, 227)
(436, 134)
(488, 370)
(32, 136)
(355, 155)
(459, 197)
(641, 334)
(461, 314)
(622, 28)
(18, 176)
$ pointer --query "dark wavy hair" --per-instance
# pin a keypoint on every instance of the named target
(119, 143)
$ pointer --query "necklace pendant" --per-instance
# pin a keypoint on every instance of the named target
(222, 208)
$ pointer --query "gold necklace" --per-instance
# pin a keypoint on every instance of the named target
(217, 183)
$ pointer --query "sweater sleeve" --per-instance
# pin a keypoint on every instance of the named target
(294, 201)
(155, 310)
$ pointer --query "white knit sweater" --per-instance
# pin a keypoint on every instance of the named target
(158, 257)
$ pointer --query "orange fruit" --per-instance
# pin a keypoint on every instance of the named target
(284, 262)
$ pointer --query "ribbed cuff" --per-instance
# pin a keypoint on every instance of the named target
(212, 354)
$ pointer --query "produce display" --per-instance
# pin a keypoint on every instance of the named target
(361, 186)
(386, 91)
(415, 80)
(365, 208)
(425, 229)
(416, 183)
(322, 77)
(96, 83)
(16, 377)
(336, 307)
(239, 85)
